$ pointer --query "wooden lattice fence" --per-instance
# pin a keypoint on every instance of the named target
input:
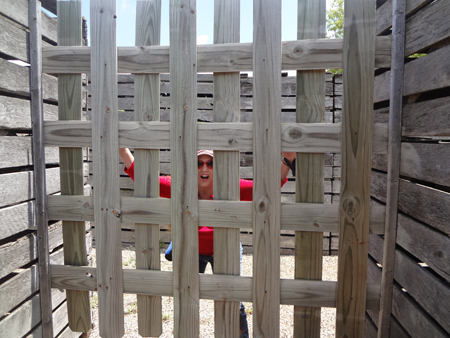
(265, 137)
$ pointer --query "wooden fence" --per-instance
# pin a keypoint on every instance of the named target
(205, 94)
(265, 137)
(21, 288)
(420, 300)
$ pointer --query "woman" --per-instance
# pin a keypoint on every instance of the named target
(205, 176)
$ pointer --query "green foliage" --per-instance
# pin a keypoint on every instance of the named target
(335, 19)
(335, 25)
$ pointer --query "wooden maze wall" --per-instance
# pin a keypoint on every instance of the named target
(20, 313)
(421, 295)
(333, 114)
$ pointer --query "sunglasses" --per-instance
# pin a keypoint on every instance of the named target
(209, 164)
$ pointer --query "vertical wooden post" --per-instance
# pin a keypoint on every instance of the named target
(266, 166)
(357, 136)
(394, 147)
(309, 168)
(105, 145)
(146, 108)
(226, 166)
(183, 143)
(40, 204)
(71, 164)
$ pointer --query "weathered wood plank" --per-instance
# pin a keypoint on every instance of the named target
(18, 288)
(266, 206)
(16, 80)
(428, 27)
(426, 204)
(309, 169)
(146, 94)
(288, 87)
(421, 75)
(394, 146)
(71, 164)
(413, 319)
(18, 187)
(184, 188)
(423, 161)
(384, 13)
(24, 250)
(357, 136)
(306, 54)
(427, 290)
(105, 150)
(17, 151)
(212, 286)
(38, 154)
(18, 11)
(15, 113)
(428, 245)
(422, 119)
(226, 165)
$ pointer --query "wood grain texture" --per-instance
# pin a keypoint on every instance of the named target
(266, 152)
(225, 214)
(428, 27)
(184, 186)
(212, 286)
(394, 158)
(424, 203)
(299, 137)
(105, 146)
(357, 136)
(421, 75)
(307, 54)
(309, 169)
(226, 166)
(40, 210)
(16, 80)
(18, 11)
(384, 13)
(71, 164)
(146, 94)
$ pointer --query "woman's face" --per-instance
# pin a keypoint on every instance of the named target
(205, 174)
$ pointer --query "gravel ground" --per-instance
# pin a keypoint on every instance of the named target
(207, 306)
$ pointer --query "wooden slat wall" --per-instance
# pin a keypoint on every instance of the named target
(422, 252)
(105, 147)
(20, 289)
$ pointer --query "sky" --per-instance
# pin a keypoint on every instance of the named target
(126, 21)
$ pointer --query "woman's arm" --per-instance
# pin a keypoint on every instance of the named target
(126, 156)
(284, 168)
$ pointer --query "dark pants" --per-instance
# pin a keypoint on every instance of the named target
(243, 326)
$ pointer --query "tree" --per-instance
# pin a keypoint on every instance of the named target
(335, 19)
(335, 24)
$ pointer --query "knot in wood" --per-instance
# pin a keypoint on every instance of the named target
(351, 206)
(261, 205)
(295, 133)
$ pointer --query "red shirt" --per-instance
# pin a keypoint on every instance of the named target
(205, 234)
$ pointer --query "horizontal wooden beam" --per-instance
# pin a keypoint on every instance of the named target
(223, 214)
(215, 287)
(230, 57)
(298, 137)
